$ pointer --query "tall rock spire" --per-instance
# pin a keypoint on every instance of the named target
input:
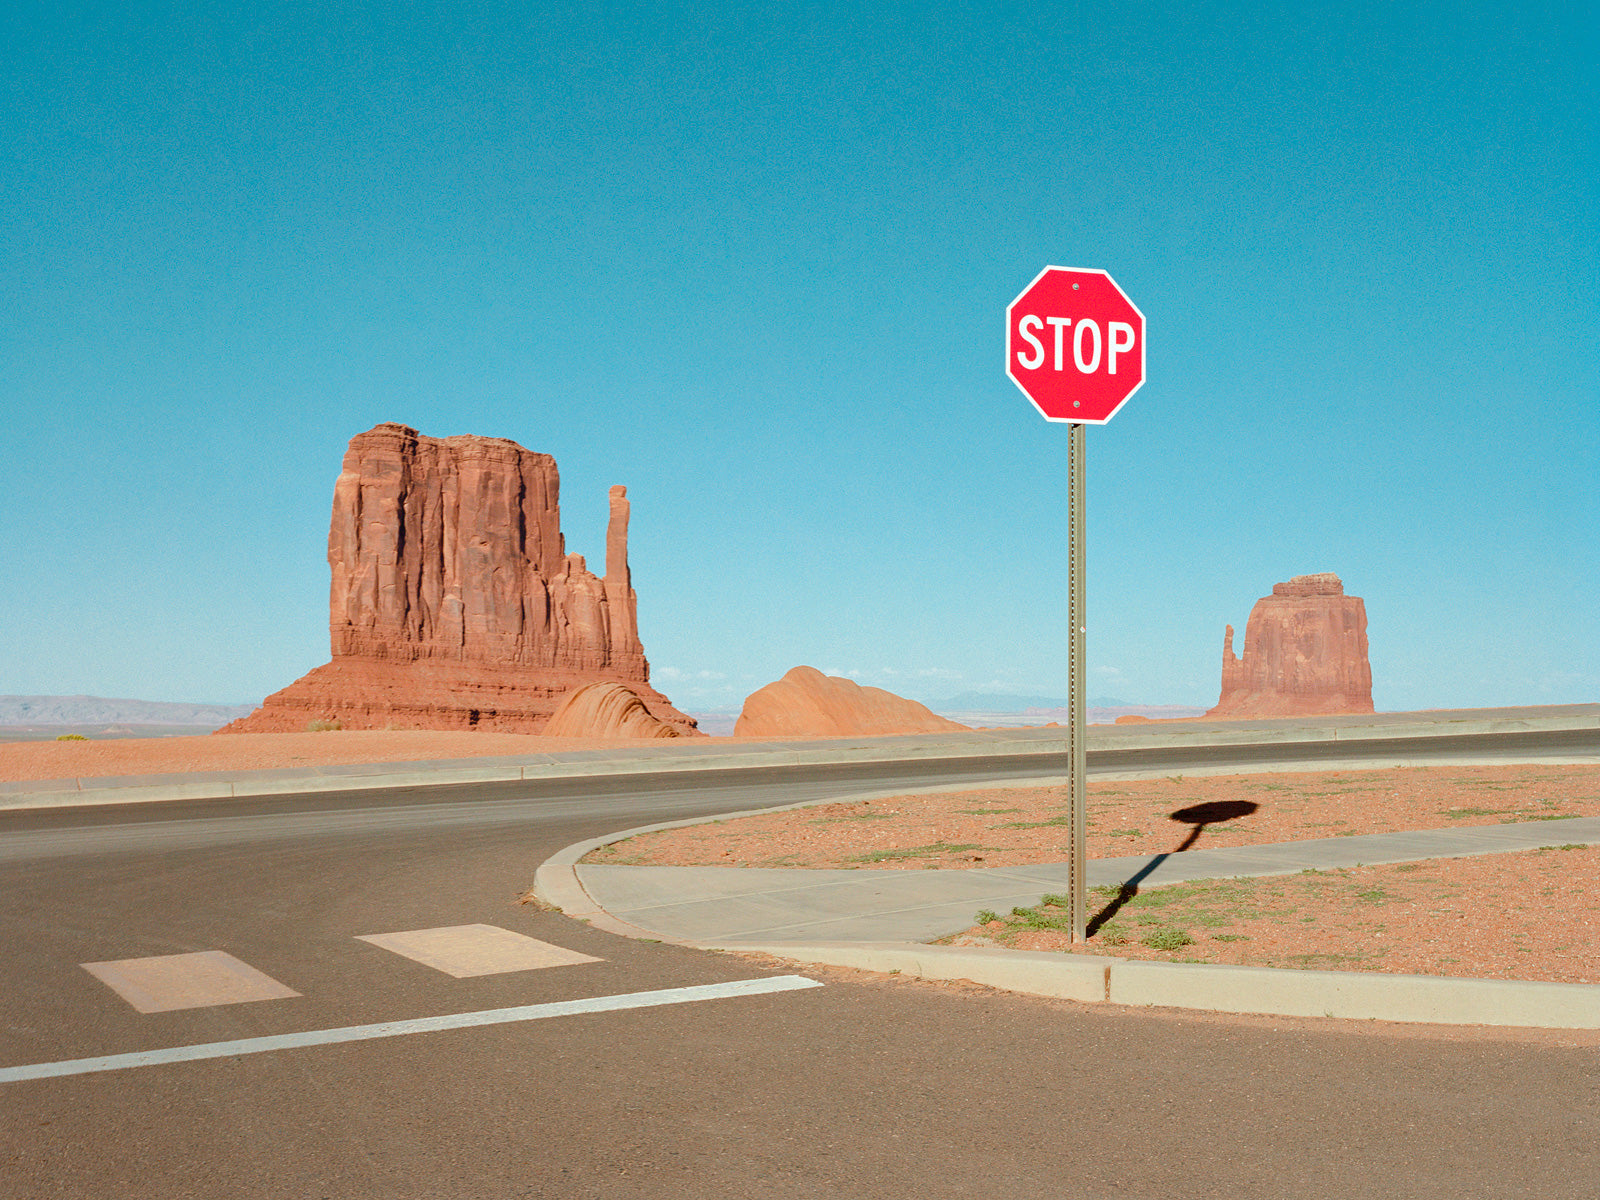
(621, 602)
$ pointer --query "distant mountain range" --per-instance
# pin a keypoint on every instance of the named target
(1009, 702)
(97, 710)
(997, 710)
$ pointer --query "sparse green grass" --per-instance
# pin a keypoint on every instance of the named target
(986, 812)
(1166, 939)
(611, 856)
(860, 816)
(1201, 912)
(1312, 961)
(932, 850)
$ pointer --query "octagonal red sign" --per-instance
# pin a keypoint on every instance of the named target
(1075, 345)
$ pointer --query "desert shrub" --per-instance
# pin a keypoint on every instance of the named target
(71, 737)
(1166, 939)
(324, 725)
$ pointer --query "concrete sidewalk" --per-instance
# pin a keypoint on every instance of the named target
(732, 904)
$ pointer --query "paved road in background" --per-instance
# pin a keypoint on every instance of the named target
(856, 1088)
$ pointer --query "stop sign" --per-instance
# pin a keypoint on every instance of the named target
(1075, 345)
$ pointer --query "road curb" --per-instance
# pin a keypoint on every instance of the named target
(1030, 972)
(1210, 987)
(556, 883)
(1261, 991)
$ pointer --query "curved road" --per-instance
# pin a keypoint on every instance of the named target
(619, 801)
(862, 1087)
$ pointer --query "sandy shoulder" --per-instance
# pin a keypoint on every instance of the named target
(270, 751)
(113, 757)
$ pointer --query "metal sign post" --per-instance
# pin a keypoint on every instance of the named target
(1077, 799)
(1075, 347)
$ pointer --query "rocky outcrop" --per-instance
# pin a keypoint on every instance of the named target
(453, 601)
(1305, 654)
(607, 710)
(807, 703)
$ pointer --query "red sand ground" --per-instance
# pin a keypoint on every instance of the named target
(264, 751)
(1496, 916)
(1005, 827)
(51, 759)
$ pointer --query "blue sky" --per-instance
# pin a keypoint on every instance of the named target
(754, 265)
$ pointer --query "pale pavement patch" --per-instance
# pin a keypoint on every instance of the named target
(175, 981)
(464, 951)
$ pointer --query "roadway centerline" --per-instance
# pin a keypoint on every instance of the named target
(386, 1029)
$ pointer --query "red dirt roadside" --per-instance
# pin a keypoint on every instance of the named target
(268, 751)
(1004, 827)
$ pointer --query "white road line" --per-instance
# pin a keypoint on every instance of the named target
(384, 1029)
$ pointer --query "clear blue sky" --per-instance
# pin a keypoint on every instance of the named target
(754, 264)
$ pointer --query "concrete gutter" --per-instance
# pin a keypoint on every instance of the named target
(1267, 991)
(1105, 741)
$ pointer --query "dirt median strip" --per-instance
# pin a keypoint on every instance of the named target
(1523, 915)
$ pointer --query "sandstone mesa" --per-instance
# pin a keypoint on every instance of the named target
(453, 602)
(807, 703)
(1305, 654)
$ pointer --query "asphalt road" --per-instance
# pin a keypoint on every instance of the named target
(860, 1087)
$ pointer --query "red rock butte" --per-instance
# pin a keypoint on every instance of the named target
(1305, 654)
(807, 703)
(454, 604)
